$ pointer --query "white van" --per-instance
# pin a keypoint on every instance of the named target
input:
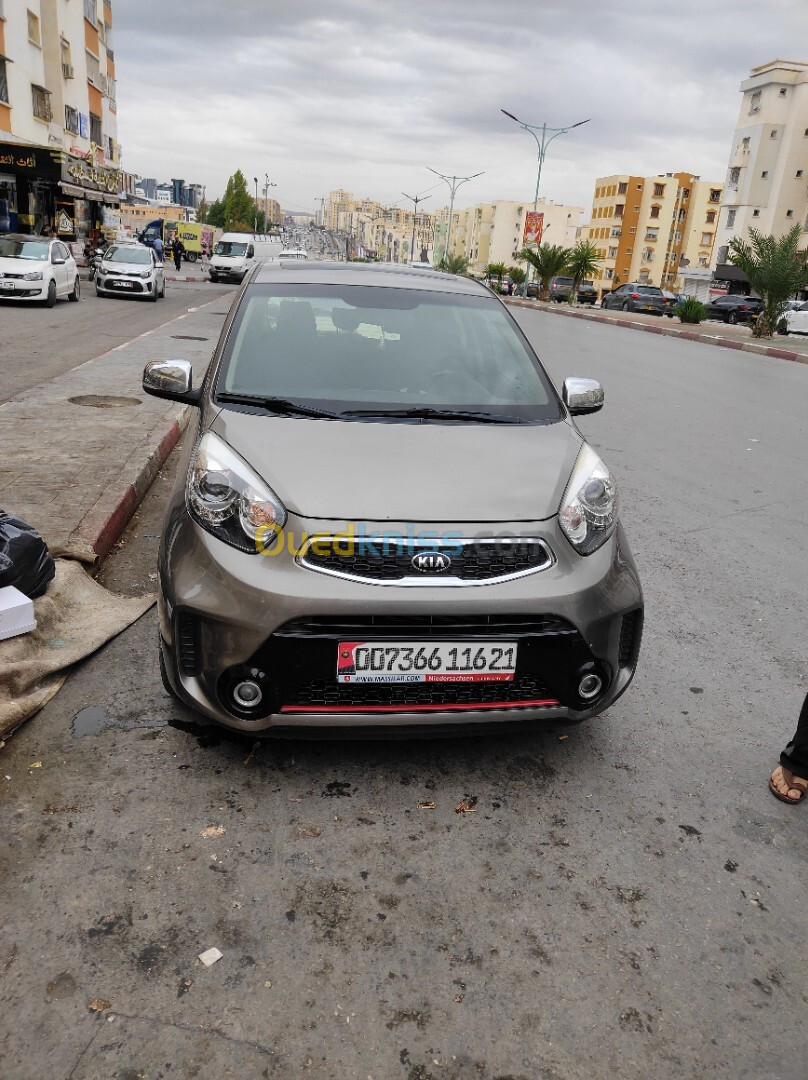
(235, 254)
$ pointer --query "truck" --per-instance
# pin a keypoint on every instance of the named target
(192, 235)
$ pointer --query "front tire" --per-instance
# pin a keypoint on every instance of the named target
(50, 300)
(75, 295)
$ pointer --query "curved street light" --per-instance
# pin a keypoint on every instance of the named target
(454, 183)
(543, 143)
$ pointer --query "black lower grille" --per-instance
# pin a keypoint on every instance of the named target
(423, 626)
(323, 693)
(187, 643)
(389, 561)
(630, 632)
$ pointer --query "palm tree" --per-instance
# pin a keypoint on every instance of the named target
(518, 275)
(454, 264)
(583, 263)
(548, 260)
(776, 270)
(495, 271)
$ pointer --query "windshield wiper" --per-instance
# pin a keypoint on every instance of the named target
(276, 404)
(426, 413)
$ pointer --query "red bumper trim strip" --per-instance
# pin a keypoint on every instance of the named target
(539, 703)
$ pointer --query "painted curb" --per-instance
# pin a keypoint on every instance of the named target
(650, 328)
(104, 522)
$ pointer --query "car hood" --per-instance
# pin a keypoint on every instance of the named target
(119, 267)
(367, 471)
(22, 266)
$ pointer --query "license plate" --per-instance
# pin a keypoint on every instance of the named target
(122, 284)
(425, 661)
(9, 285)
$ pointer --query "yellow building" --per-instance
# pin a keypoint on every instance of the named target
(647, 228)
(493, 232)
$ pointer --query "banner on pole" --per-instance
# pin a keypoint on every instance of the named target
(534, 224)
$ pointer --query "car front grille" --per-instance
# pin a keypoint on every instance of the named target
(391, 562)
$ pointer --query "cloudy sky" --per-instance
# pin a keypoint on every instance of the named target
(365, 94)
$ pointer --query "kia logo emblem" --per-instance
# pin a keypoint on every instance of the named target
(431, 562)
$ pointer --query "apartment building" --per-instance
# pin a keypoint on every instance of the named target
(647, 228)
(494, 232)
(60, 161)
(767, 175)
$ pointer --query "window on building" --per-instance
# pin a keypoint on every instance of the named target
(678, 237)
(639, 187)
(710, 217)
(612, 253)
(636, 209)
(755, 213)
(67, 60)
(706, 238)
(745, 142)
(789, 213)
(654, 212)
(764, 174)
(90, 13)
(773, 134)
(622, 188)
(40, 98)
(3, 81)
(629, 251)
(652, 234)
(33, 29)
(715, 194)
(71, 119)
(648, 255)
(618, 210)
(659, 190)
(608, 273)
(632, 229)
(783, 91)
(754, 103)
(95, 130)
(616, 233)
(93, 70)
(685, 194)
(798, 173)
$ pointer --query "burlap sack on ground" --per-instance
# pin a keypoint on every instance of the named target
(75, 617)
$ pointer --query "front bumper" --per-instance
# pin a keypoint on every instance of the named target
(26, 290)
(226, 616)
(123, 286)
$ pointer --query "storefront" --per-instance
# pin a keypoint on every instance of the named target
(74, 196)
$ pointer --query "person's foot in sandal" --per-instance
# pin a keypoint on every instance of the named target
(787, 787)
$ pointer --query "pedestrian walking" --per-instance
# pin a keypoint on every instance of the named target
(177, 250)
(788, 781)
(205, 260)
(157, 244)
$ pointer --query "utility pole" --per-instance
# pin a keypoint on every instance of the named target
(267, 186)
(454, 183)
(415, 199)
(255, 216)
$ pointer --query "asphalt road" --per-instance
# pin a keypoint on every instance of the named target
(40, 343)
(626, 901)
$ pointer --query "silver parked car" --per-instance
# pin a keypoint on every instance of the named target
(131, 270)
(387, 517)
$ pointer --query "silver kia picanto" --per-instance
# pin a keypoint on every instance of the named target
(387, 518)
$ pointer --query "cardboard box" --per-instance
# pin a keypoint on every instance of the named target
(16, 613)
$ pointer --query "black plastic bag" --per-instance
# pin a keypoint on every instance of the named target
(25, 561)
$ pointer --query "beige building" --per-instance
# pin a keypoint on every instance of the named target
(647, 227)
(767, 176)
(59, 155)
(385, 233)
(493, 232)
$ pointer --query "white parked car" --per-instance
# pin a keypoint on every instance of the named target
(797, 319)
(131, 270)
(37, 268)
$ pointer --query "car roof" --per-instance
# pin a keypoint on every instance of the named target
(384, 275)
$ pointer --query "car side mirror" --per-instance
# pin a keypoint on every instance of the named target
(171, 379)
(58, 262)
(582, 396)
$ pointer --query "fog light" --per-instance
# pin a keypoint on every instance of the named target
(589, 687)
(247, 694)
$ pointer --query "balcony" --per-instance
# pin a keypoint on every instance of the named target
(617, 232)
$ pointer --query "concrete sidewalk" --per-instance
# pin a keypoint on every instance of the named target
(78, 453)
(792, 347)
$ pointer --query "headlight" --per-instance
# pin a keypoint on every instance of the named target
(145, 273)
(588, 511)
(32, 275)
(228, 500)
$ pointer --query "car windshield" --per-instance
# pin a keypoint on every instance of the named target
(128, 255)
(383, 351)
(227, 247)
(23, 249)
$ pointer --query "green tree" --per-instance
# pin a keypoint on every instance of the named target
(202, 211)
(548, 260)
(216, 214)
(495, 272)
(776, 270)
(455, 264)
(583, 263)
(518, 275)
(239, 207)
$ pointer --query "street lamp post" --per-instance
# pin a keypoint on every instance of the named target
(255, 216)
(267, 185)
(541, 147)
(454, 183)
(415, 199)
